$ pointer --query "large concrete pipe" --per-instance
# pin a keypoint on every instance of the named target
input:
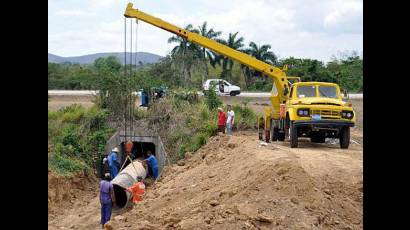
(125, 179)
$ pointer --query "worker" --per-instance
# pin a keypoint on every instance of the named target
(137, 190)
(107, 198)
(152, 164)
(114, 162)
(230, 120)
(221, 120)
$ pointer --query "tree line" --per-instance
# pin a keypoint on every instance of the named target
(189, 65)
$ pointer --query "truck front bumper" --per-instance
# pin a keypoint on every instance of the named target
(324, 123)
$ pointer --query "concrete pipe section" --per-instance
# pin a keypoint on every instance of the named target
(125, 179)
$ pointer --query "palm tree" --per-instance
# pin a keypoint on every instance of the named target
(227, 63)
(206, 54)
(184, 54)
(183, 45)
(261, 53)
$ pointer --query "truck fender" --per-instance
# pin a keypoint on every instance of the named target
(292, 114)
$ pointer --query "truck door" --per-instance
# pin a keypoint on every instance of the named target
(221, 87)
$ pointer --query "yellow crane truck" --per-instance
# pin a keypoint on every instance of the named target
(303, 109)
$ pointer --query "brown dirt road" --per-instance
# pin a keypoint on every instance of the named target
(237, 183)
(57, 102)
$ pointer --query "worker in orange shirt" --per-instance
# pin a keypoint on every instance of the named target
(137, 190)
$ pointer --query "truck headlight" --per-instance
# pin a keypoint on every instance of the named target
(347, 114)
(303, 112)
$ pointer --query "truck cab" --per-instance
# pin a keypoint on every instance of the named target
(316, 110)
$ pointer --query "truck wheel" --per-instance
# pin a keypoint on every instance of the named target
(275, 134)
(232, 93)
(281, 136)
(293, 135)
(344, 138)
(267, 136)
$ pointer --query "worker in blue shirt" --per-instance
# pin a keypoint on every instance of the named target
(114, 162)
(152, 164)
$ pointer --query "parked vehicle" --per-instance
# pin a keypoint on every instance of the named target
(222, 87)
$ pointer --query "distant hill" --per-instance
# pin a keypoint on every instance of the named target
(89, 59)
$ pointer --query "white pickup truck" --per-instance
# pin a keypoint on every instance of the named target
(221, 87)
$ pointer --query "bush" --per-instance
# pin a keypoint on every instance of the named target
(245, 117)
(96, 118)
(52, 115)
(78, 140)
(188, 95)
(73, 113)
(204, 113)
(198, 141)
(211, 128)
(212, 100)
(65, 165)
(71, 137)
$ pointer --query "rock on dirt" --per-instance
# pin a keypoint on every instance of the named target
(108, 226)
(181, 163)
(263, 218)
(294, 200)
(214, 202)
(120, 218)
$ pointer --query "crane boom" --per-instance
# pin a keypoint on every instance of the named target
(277, 75)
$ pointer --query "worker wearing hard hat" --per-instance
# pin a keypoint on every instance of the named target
(114, 162)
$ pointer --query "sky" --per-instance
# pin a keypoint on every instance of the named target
(316, 29)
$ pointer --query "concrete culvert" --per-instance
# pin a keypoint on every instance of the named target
(125, 179)
(142, 143)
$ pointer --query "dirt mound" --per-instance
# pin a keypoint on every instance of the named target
(63, 191)
(234, 183)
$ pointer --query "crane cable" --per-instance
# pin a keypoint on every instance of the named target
(136, 54)
(129, 90)
(125, 74)
(129, 102)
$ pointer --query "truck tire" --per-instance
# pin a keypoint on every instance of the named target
(344, 138)
(232, 94)
(281, 135)
(293, 135)
(275, 134)
(267, 136)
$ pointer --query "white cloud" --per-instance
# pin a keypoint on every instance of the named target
(70, 13)
(346, 16)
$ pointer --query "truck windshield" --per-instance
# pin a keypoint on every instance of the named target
(306, 91)
(328, 91)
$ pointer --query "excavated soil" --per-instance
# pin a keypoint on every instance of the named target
(65, 191)
(238, 183)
